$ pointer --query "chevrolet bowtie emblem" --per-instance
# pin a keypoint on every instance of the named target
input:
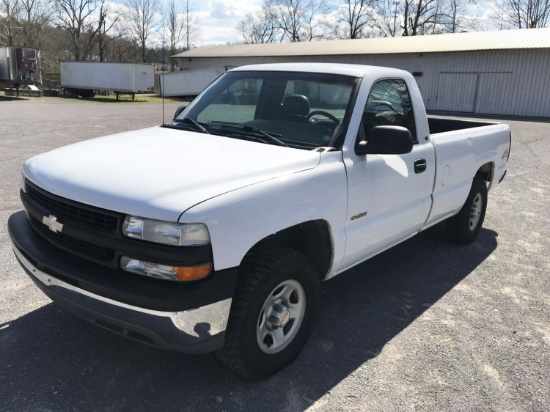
(52, 223)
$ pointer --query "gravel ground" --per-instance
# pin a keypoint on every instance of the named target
(428, 325)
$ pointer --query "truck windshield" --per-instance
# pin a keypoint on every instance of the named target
(302, 110)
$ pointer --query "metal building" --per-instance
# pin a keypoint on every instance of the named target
(502, 72)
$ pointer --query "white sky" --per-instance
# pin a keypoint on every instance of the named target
(218, 19)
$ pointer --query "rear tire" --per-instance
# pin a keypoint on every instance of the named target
(466, 225)
(272, 314)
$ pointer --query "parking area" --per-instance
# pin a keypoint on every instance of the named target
(428, 325)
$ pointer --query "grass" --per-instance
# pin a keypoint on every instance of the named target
(123, 99)
(126, 98)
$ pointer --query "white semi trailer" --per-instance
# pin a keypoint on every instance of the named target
(85, 78)
(187, 82)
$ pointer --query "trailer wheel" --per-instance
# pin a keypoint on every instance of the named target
(272, 314)
(466, 225)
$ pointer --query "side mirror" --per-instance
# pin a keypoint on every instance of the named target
(179, 110)
(386, 140)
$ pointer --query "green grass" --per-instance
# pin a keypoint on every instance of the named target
(123, 99)
(126, 98)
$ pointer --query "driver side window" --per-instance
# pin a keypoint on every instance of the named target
(388, 104)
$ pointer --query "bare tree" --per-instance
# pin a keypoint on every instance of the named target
(525, 14)
(299, 20)
(9, 10)
(356, 16)
(35, 15)
(455, 16)
(107, 20)
(388, 17)
(175, 26)
(142, 18)
(419, 16)
(191, 22)
(75, 17)
(259, 27)
(290, 18)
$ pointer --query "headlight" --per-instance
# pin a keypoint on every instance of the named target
(159, 271)
(168, 233)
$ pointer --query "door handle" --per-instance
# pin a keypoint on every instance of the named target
(420, 165)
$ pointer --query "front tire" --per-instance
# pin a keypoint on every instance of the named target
(272, 314)
(466, 225)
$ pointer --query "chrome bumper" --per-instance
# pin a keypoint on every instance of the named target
(197, 330)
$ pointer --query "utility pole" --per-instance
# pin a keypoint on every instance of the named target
(395, 3)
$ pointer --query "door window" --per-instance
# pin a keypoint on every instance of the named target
(388, 104)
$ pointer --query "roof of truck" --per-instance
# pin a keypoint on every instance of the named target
(354, 70)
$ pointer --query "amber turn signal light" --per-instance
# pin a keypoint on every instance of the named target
(193, 273)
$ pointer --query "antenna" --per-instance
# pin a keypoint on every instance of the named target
(161, 83)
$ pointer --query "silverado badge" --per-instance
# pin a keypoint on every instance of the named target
(52, 223)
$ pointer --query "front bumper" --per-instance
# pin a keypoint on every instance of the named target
(197, 329)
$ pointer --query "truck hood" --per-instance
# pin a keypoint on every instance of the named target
(159, 172)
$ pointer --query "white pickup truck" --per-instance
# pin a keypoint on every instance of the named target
(214, 232)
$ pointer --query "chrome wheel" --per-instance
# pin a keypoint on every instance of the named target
(281, 316)
(475, 211)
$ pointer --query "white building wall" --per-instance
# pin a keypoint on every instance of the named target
(506, 82)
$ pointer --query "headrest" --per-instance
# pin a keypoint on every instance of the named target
(296, 104)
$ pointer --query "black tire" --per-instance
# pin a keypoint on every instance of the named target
(261, 274)
(465, 226)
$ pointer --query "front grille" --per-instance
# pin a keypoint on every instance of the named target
(95, 234)
(76, 245)
(81, 214)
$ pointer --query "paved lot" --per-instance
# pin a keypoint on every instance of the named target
(428, 325)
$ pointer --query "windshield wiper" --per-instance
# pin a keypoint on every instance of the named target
(190, 121)
(271, 139)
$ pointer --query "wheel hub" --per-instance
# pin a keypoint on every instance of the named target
(281, 316)
(278, 315)
(475, 212)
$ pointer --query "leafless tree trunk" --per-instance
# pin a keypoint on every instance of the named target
(289, 17)
(388, 20)
(35, 16)
(259, 27)
(525, 14)
(175, 26)
(75, 17)
(419, 16)
(356, 15)
(107, 20)
(299, 20)
(142, 19)
(191, 24)
(9, 11)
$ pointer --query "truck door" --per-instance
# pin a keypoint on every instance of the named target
(389, 196)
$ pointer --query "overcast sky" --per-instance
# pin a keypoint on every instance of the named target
(218, 18)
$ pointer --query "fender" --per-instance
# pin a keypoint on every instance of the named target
(240, 219)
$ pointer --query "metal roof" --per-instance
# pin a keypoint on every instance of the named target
(473, 41)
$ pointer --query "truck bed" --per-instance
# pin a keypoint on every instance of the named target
(459, 155)
(440, 125)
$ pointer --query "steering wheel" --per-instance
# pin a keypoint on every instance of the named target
(322, 113)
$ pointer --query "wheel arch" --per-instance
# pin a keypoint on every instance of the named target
(486, 172)
(312, 238)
